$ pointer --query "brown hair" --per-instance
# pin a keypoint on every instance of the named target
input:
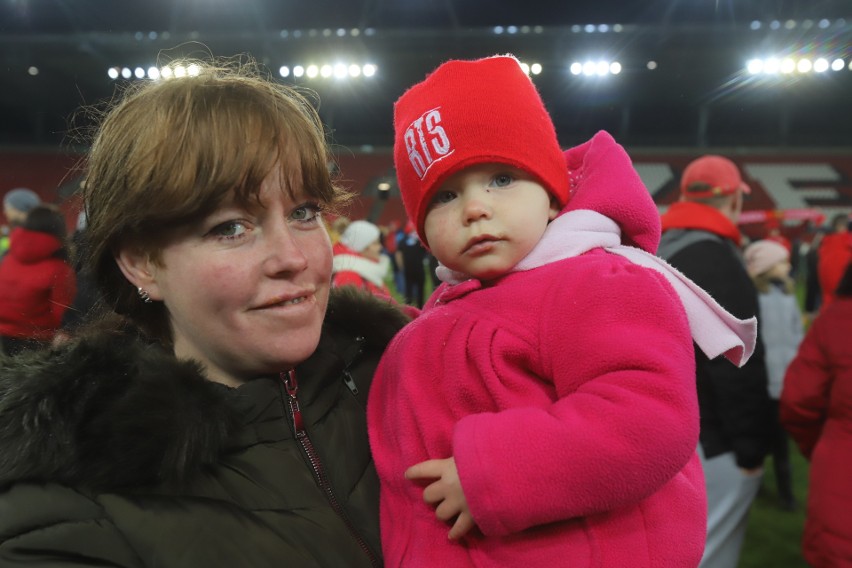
(170, 151)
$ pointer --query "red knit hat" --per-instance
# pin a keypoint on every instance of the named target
(467, 113)
(709, 176)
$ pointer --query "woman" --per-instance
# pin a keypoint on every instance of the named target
(37, 284)
(816, 409)
(220, 421)
(358, 259)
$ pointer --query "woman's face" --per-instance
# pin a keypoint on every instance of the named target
(247, 289)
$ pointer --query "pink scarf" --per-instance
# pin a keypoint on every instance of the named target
(713, 328)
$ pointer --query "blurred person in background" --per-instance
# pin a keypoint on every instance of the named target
(358, 259)
(701, 239)
(17, 203)
(37, 283)
(835, 253)
(87, 296)
(411, 256)
(816, 409)
(217, 417)
(768, 264)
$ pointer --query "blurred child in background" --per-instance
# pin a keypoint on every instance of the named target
(768, 264)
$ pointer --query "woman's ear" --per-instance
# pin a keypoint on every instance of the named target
(138, 267)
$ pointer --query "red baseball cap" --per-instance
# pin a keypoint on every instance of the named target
(711, 175)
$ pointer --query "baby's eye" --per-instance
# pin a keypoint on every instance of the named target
(502, 180)
(229, 230)
(306, 213)
(444, 197)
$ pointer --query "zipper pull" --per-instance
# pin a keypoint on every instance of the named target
(292, 387)
(349, 381)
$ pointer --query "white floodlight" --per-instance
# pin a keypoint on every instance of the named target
(589, 68)
(384, 186)
(790, 24)
(354, 32)
(512, 29)
(312, 71)
(498, 30)
(126, 72)
(771, 66)
(837, 65)
(526, 68)
(615, 68)
(535, 68)
(180, 71)
(298, 71)
(341, 32)
(340, 71)
(576, 68)
(824, 23)
(590, 28)
(651, 65)
(788, 65)
(602, 68)
(755, 25)
(354, 70)
(603, 28)
(113, 72)
(804, 66)
(284, 71)
(166, 72)
(369, 70)
(821, 65)
(193, 70)
(139, 73)
(32, 70)
(754, 66)
(153, 73)
(325, 71)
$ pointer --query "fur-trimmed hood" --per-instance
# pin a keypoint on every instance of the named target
(110, 410)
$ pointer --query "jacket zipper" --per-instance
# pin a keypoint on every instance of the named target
(292, 386)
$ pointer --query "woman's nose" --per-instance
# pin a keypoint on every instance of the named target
(283, 252)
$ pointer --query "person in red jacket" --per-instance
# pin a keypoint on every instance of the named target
(835, 252)
(816, 409)
(358, 259)
(37, 283)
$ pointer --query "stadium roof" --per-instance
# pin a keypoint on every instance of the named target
(683, 77)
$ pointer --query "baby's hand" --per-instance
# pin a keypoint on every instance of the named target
(445, 492)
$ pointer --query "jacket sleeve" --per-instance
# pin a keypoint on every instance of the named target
(52, 525)
(735, 400)
(625, 421)
(805, 397)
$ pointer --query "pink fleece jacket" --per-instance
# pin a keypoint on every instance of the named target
(565, 393)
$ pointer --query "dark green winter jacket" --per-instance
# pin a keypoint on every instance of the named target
(114, 453)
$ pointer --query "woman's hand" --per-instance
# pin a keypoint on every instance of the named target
(445, 493)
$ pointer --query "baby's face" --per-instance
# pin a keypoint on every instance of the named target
(486, 218)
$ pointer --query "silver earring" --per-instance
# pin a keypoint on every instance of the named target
(143, 294)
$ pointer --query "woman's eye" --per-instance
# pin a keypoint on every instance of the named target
(502, 180)
(306, 213)
(229, 230)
